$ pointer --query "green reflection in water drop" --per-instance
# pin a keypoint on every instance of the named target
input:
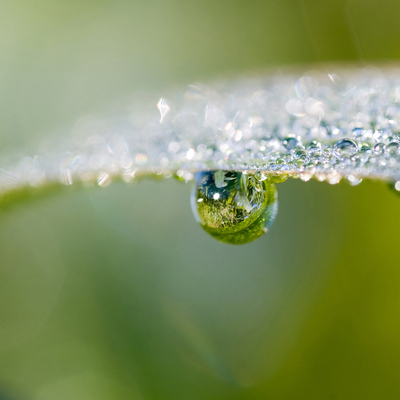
(234, 207)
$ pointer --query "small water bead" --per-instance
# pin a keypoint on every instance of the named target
(314, 147)
(318, 159)
(345, 149)
(395, 186)
(279, 163)
(290, 142)
(396, 137)
(273, 167)
(300, 155)
(327, 151)
(379, 148)
(392, 149)
(234, 207)
(353, 180)
(366, 149)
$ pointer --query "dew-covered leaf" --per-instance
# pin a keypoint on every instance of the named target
(332, 123)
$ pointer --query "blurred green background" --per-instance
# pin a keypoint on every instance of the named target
(117, 293)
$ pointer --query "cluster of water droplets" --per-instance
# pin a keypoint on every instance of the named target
(329, 124)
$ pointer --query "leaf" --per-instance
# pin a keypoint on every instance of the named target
(335, 123)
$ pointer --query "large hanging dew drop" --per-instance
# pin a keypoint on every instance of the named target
(234, 207)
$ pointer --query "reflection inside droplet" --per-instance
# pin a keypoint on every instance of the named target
(234, 207)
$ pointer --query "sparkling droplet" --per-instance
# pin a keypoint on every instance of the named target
(365, 149)
(378, 149)
(353, 180)
(392, 149)
(314, 147)
(300, 154)
(395, 186)
(290, 142)
(236, 208)
(344, 149)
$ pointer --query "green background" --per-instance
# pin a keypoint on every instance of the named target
(117, 293)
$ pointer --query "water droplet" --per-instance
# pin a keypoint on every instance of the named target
(236, 208)
(290, 142)
(353, 180)
(365, 149)
(344, 148)
(395, 186)
(392, 149)
(300, 154)
(314, 147)
(378, 149)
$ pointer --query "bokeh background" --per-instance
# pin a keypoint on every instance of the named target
(117, 293)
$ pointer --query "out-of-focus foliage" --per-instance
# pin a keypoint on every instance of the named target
(117, 292)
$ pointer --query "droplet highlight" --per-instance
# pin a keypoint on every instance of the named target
(395, 186)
